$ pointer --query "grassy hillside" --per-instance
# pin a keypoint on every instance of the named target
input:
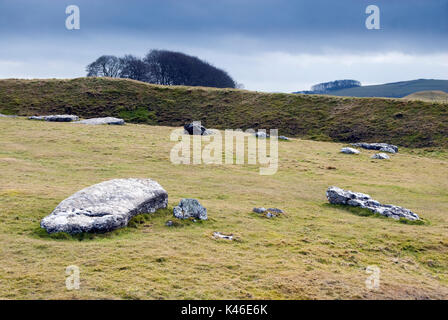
(395, 89)
(315, 251)
(318, 117)
(429, 96)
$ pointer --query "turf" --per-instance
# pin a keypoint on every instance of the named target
(314, 251)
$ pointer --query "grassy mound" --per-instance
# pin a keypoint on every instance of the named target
(317, 117)
(430, 96)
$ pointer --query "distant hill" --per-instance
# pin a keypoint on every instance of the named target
(317, 117)
(395, 89)
(388, 90)
(430, 96)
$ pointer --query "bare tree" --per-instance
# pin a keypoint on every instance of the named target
(134, 68)
(104, 66)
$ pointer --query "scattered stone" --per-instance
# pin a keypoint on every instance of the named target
(388, 149)
(381, 156)
(169, 223)
(106, 206)
(268, 213)
(283, 138)
(259, 210)
(337, 195)
(56, 118)
(261, 135)
(190, 208)
(377, 146)
(219, 235)
(195, 128)
(275, 210)
(99, 121)
(349, 150)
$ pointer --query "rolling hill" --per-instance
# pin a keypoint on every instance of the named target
(393, 90)
(316, 117)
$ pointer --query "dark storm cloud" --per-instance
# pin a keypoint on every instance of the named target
(405, 24)
(269, 45)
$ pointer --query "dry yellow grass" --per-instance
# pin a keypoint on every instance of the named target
(316, 251)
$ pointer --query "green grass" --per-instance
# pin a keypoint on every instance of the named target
(313, 251)
(318, 117)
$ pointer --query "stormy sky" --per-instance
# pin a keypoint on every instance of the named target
(267, 45)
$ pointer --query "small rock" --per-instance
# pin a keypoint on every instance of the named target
(99, 121)
(381, 156)
(388, 149)
(169, 223)
(56, 118)
(219, 235)
(275, 210)
(337, 195)
(349, 150)
(259, 210)
(269, 215)
(195, 128)
(261, 135)
(283, 138)
(190, 208)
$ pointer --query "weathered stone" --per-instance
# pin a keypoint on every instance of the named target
(349, 150)
(169, 223)
(195, 128)
(7, 116)
(388, 149)
(283, 138)
(377, 146)
(106, 206)
(259, 210)
(381, 156)
(261, 135)
(100, 121)
(337, 195)
(190, 208)
(275, 210)
(56, 118)
(219, 235)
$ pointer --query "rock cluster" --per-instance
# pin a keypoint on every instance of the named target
(106, 206)
(190, 208)
(337, 195)
(99, 121)
(56, 118)
(377, 146)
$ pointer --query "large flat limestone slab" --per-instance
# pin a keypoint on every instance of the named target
(106, 206)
